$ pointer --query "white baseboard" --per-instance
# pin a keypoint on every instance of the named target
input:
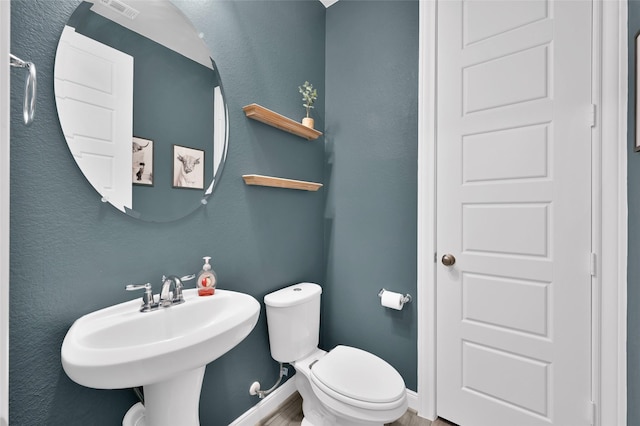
(412, 398)
(268, 405)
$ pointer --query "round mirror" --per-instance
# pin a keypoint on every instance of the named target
(141, 106)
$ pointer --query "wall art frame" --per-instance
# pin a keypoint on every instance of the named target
(142, 161)
(188, 167)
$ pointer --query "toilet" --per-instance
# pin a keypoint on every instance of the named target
(345, 386)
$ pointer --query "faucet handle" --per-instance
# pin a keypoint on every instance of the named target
(147, 297)
(188, 277)
(178, 297)
(131, 287)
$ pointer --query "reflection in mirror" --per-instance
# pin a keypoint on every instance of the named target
(133, 79)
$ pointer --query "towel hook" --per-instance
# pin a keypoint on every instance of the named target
(30, 88)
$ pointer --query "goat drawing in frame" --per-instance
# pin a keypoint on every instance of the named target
(188, 167)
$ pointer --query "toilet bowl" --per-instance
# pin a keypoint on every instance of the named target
(350, 387)
(345, 386)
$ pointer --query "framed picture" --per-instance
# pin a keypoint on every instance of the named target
(142, 163)
(188, 167)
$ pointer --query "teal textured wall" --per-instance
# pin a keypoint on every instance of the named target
(71, 254)
(371, 176)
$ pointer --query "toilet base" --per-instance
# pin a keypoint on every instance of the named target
(317, 414)
(342, 422)
(135, 416)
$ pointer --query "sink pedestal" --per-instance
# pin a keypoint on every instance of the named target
(173, 402)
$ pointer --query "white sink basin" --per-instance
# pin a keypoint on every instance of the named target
(121, 347)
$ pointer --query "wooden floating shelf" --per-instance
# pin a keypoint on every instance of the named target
(277, 182)
(281, 122)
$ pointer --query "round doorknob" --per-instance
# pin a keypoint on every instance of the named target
(448, 260)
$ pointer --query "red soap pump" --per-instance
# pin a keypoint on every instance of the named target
(207, 279)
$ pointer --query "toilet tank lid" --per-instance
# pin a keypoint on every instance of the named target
(292, 295)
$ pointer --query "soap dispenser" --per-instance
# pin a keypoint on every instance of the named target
(207, 279)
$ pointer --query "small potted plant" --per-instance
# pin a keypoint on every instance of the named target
(309, 96)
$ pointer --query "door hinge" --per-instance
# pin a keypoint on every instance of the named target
(592, 413)
(435, 257)
(592, 115)
(593, 264)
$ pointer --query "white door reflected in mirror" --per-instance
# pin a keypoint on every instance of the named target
(94, 95)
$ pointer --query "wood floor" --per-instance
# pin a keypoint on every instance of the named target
(290, 414)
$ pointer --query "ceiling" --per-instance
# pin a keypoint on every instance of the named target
(328, 3)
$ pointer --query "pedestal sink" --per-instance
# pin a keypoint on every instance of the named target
(165, 351)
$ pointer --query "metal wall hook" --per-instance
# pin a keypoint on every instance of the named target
(17, 62)
(30, 88)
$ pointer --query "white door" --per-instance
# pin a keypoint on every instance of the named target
(513, 208)
(94, 95)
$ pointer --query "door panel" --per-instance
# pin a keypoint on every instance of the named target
(94, 96)
(513, 207)
(526, 312)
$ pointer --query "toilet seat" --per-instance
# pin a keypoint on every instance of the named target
(359, 379)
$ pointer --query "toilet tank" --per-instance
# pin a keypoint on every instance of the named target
(293, 318)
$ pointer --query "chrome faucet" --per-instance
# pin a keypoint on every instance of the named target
(166, 298)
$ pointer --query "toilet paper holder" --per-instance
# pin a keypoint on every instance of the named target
(405, 298)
